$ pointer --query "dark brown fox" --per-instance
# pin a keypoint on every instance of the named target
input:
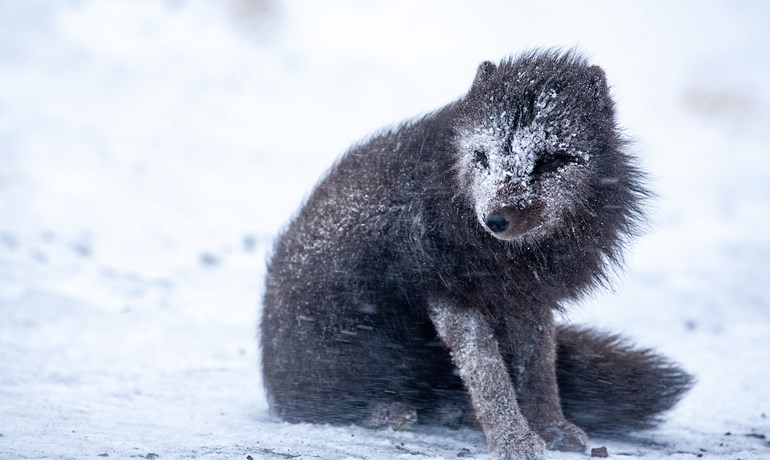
(419, 281)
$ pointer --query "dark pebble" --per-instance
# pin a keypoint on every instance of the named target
(209, 259)
(249, 243)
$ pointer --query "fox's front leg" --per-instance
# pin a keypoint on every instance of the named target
(471, 341)
(530, 345)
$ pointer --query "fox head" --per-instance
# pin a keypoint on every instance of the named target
(535, 143)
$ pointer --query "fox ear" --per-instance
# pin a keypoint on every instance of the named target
(598, 87)
(598, 78)
(484, 71)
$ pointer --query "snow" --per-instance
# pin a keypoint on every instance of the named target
(150, 151)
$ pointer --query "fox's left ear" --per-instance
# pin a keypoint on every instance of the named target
(483, 72)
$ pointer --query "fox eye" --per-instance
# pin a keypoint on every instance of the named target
(550, 162)
(480, 157)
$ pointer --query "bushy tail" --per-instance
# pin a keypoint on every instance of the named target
(610, 387)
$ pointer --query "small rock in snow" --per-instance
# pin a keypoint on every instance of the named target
(249, 243)
(209, 259)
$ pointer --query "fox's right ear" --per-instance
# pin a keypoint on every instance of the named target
(484, 71)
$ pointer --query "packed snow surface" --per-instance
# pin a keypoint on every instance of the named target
(151, 151)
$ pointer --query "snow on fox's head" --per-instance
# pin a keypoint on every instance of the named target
(527, 141)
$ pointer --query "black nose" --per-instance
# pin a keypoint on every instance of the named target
(496, 222)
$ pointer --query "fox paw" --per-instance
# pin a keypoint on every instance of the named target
(564, 436)
(396, 415)
(528, 446)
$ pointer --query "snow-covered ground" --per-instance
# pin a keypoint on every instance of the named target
(150, 151)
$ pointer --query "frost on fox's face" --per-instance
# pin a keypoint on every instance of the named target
(525, 150)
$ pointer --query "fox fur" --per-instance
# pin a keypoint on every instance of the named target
(419, 281)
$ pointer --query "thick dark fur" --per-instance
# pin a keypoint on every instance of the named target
(586, 357)
(394, 244)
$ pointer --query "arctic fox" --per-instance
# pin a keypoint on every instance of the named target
(419, 281)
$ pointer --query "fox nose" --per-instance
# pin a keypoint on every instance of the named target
(496, 222)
